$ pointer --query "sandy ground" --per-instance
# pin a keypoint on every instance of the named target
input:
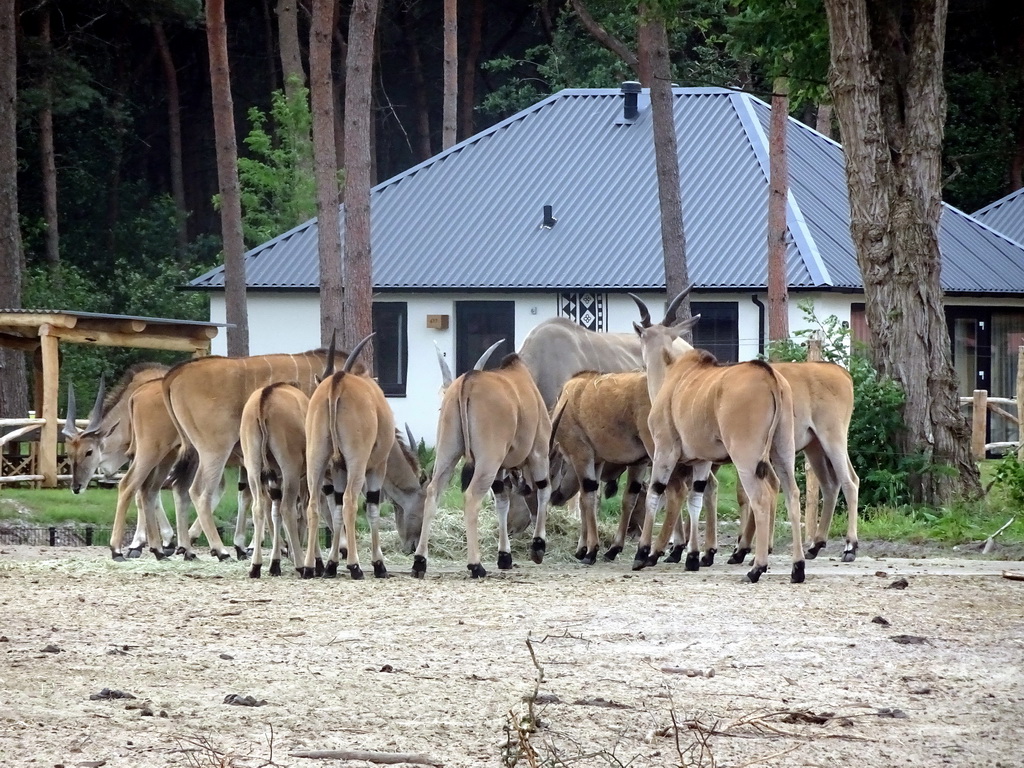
(840, 671)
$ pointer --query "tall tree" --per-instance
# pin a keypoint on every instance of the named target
(325, 163)
(467, 92)
(13, 382)
(358, 268)
(778, 203)
(288, 41)
(654, 61)
(449, 113)
(174, 134)
(887, 86)
(227, 178)
(48, 168)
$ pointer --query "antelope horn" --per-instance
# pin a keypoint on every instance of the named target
(446, 372)
(408, 434)
(350, 361)
(70, 428)
(673, 307)
(329, 365)
(487, 353)
(645, 314)
(96, 415)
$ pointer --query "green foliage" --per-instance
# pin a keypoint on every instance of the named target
(1008, 479)
(278, 189)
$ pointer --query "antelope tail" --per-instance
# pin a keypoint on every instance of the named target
(763, 466)
(469, 466)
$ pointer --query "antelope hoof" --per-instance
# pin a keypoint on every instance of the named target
(850, 553)
(275, 567)
(116, 556)
(190, 555)
(797, 575)
(318, 566)
(305, 573)
(476, 571)
(653, 559)
(643, 554)
(755, 573)
(612, 553)
(331, 571)
(676, 555)
(355, 571)
(379, 571)
(709, 558)
(134, 553)
(158, 553)
(241, 554)
(739, 555)
(580, 553)
(180, 551)
(169, 550)
(254, 570)
(537, 549)
(419, 566)
(504, 561)
(223, 556)
(814, 549)
(589, 557)
(692, 561)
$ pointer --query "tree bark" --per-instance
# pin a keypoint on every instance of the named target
(823, 120)
(291, 52)
(467, 94)
(778, 195)
(358, 274)
(13, 380)
(325, 163)
(449, 115)
(886, 82)
(48, 163)
(174, 132)
(227, 179)
(653, 45)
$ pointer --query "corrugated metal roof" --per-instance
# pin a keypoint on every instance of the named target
(1005, 215)
(103, 316)
(470, 217)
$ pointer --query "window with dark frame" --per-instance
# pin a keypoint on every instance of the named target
(390, 346)
(717, 331)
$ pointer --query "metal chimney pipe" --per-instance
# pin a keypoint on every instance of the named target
(630, 92)
(549, 219)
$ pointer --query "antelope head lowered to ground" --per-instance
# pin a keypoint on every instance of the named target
(497, 421)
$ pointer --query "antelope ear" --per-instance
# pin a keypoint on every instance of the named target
(685, 326)
(638, 328)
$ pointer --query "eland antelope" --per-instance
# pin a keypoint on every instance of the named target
(205, 397)
(497, 421)
(350, 432)
(104, 446)
(704, 413)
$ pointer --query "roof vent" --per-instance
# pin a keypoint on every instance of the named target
(549, 220)
(631, 92)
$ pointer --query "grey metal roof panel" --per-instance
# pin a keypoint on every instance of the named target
(469, 218)
(1005, 215)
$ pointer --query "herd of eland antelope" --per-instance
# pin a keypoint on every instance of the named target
(572, 409)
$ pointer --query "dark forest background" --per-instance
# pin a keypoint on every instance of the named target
(97, 66)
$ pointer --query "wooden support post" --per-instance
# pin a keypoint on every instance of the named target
(1020, 399)
(979, 421)
(813, 488)
(48, 433)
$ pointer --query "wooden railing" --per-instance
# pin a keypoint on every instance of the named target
(19, 451)
(982, 406)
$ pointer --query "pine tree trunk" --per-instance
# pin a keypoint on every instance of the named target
(778, 195)
(449, 116)
(823, 120)
(654, 58)
(325, 163)
(13, 380)
(357, 267)
(174, 132)
(227, 178)
(421, 144)
(48, 163)
(467, 94)
(291, 53)
(886, 80)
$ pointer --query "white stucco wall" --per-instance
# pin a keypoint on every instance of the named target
(290, 322)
